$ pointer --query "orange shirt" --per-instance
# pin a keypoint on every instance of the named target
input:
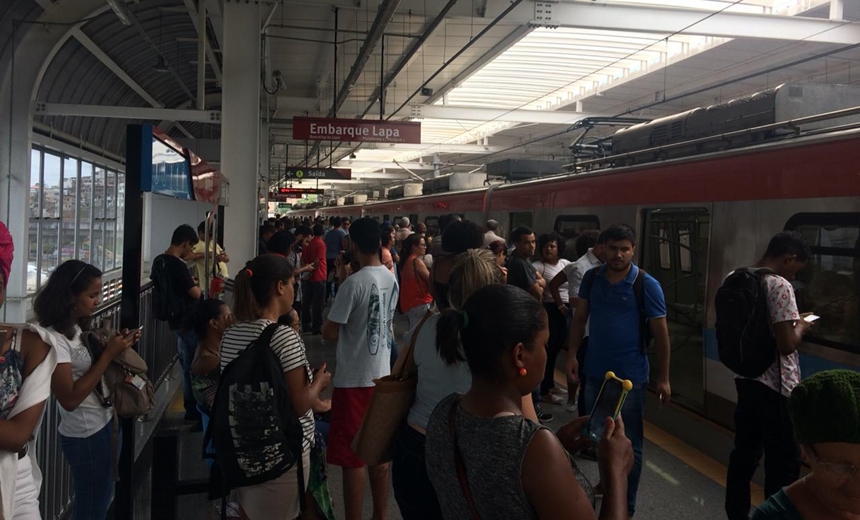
(413, 290)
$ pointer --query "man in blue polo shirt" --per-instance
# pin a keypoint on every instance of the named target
(618, 332)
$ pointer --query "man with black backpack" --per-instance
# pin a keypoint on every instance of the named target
(176, 294)
(626, 308)
(758, 332)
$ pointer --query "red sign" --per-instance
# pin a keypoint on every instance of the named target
(356, 130)
(300, 191)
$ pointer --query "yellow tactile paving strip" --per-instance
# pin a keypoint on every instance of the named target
(686, 453)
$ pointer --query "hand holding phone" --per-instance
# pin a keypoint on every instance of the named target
(811, 318)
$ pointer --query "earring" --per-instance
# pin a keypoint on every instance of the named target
(523, 371)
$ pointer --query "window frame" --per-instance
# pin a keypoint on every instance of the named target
(589, 218)
(823, 219)
(71, 170)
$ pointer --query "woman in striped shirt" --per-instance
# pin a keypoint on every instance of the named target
(264, 292)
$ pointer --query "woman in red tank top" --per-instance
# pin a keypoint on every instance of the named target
(415, 298)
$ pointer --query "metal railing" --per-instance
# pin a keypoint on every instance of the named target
(157, 347)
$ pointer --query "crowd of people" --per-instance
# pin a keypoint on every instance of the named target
(488, 318)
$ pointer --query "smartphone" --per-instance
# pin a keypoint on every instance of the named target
(611, 398)
(811, 318)
(135, 331)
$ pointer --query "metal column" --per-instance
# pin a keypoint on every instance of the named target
(240, 127)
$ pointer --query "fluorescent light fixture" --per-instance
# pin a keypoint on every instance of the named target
(120, 11)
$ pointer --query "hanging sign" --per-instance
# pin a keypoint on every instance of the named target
(293, 193)
(319, 173)
(356, 130)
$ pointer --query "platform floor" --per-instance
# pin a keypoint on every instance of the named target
(677, 482)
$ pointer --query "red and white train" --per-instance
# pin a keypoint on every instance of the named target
(697, 219)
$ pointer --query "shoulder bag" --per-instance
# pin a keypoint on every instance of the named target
(393, 396)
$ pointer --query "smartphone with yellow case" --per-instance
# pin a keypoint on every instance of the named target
(611, 398)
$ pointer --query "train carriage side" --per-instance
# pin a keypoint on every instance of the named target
(699, 218)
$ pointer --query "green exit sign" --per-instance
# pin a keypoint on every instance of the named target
(284, 205)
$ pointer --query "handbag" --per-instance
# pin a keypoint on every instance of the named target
(130, 392)
(393, 396)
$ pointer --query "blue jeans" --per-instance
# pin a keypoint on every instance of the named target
(186, 346)
(633, 413)
(92, 473)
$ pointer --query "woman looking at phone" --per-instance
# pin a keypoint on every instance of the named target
(65, 306)
(512, 467)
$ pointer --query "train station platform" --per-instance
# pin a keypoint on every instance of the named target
(679, 481)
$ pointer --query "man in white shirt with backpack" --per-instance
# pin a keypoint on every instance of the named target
(758, 333)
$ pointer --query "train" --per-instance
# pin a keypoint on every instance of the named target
(698, 218)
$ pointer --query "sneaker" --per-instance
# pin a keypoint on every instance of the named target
(558, 390)
(571, 407)
(552, 398)
(544, 417)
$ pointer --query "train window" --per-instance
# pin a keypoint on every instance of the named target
(685, 256)
(520, 218)
(413, 218)
(570, 226)
(665, 252)
(385, 218)
(829, 285)
(432, 224)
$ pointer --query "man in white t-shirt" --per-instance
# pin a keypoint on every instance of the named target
(360, 320)
(572, 275)
(762, 424)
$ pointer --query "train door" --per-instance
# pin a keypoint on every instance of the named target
(520, 218)
(675, 252)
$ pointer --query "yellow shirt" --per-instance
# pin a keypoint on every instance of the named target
(200, 267)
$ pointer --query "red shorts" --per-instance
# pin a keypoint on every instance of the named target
(348, 406)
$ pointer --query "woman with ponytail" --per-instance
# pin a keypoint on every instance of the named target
(441, 371)
(263, 293)
(525, 471)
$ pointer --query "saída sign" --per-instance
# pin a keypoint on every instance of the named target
(356, 130)
(318, 173)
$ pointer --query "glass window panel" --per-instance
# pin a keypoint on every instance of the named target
(51, 178)
(665, 252)
(35, 184)
(85, 198)
(33, 257)
(109, 245)
(829, 285)
(110, 196)
(685, 255)
(120, 216)
(99, 193)
(97, 245)
(50, 231)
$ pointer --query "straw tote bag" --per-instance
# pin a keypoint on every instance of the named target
(393, 396)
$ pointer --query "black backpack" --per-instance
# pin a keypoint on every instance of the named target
(638, 293)
(745, 340)
(255, 433)
(165, 305)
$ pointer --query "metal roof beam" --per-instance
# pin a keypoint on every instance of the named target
(552, 117)
(210, 55)
(114, 112)
(668, 20)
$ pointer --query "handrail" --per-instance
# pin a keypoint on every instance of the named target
(792, 124)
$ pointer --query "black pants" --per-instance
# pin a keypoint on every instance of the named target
(557, 337)
(412, 488)
(762, 426)
(313, 299)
